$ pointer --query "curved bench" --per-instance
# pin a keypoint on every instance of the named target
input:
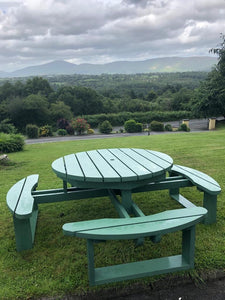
(133, 228)
(24, 210)
(204, 183)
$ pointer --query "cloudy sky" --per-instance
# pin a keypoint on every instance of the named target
(98, 31)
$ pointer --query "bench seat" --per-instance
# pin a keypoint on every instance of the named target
(204, 183)
(24, 210)
(133, 228)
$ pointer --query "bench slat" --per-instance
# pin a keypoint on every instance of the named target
(19, 197)
(132, 228)
(198, 178)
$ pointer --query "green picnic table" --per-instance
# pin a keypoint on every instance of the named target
(116, 169)
(123, 172)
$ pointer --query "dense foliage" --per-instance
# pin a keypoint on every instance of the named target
(117, 98)
(11, 142)
(210, 98)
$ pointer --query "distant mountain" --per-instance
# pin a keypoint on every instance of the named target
(165, 64)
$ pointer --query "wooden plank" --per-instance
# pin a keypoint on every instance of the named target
(135, 227)
(149, 164)
(136, 166)
(125, 173)
(58, 167)
(89, 169)
(200, 179)
(160, 159)
(135, 231)
(72, 167)
(140, 269)
(26, 202)
(108, 173)
(13, 194)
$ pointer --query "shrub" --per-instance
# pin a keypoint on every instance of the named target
(70, 130)
(156, 126)
(168, 127)
(105, 127)
(11, 142)
(62, 132)
(184, 127)
(90, 131)
(7, 127)
(79, 125)
(139, 127)
(130, 126)
(32, 131)
(45, 130)
(62, 123)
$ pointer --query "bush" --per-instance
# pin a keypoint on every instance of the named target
(168, 127)
(70, 130)
(62, 132)
(7, 127)
(45, 130)
(105, 127)
(32, 131)
(62, 123)
(90, 131)
(79, 125)
(130, 126)
(184, 127)
(139, 127)
(11, 142)
(156, 126)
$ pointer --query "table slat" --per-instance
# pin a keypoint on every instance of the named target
(125, 173)
(73, 168)
(89, 169)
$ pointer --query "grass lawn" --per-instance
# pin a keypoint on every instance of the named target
(57, 265)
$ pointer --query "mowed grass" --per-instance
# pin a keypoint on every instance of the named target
(57, 264)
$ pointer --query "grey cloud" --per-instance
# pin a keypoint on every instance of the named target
(108, 30)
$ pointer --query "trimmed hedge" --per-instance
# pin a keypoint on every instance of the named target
(32, 131)
(140, 117)
(11, 142)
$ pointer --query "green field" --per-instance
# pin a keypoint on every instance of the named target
(57, 265)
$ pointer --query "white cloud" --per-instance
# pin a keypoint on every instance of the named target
(37, 31)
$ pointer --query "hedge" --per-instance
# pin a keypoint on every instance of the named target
(11, 142)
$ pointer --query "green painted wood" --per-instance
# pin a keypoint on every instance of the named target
(203, 181)
(13, 195)
(91, 173)
(58, 167)
(103, 165)
(136, 165)
(25, 204)
(133, 228)
(19, 198)
(126, 173)
(73, 169)
(139, 269)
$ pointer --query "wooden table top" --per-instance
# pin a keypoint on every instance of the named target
(110, 166)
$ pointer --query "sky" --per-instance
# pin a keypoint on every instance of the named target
(34, 32)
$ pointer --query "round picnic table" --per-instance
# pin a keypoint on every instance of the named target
(114, 169)
(118, 168)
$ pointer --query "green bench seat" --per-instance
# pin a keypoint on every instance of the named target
(134, 228)
(24, 210)
(204, 183)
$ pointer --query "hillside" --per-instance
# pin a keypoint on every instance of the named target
(166, 64)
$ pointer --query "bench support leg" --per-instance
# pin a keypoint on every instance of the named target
(210, 203)
(188, 245)
(91, 263)
(25, 231)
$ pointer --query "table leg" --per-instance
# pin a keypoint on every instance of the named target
(127, 200)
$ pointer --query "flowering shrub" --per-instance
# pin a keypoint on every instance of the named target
(79, 125)
(45, 131)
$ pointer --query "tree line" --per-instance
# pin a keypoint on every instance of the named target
(41, 101)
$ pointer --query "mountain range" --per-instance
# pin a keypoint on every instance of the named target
(165, 64)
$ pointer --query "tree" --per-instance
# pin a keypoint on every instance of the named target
(210, 98)
(60, 110)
